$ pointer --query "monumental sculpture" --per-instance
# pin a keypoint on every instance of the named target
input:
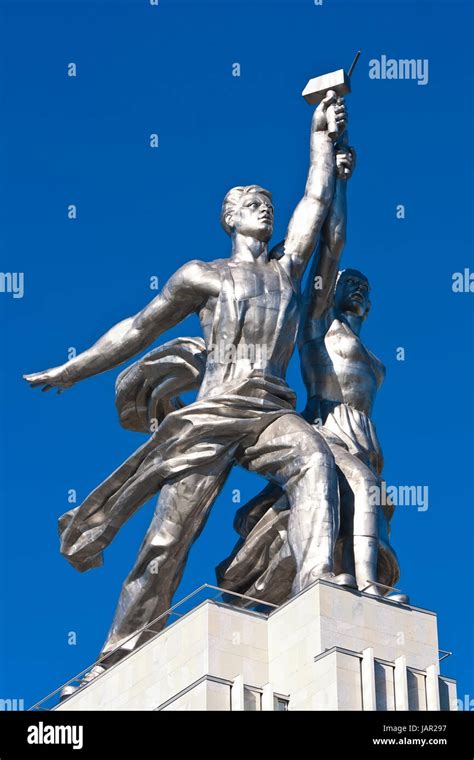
(320, 465)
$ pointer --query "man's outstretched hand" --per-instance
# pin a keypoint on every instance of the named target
(57, 377)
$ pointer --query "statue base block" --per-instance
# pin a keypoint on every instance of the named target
(329, 648)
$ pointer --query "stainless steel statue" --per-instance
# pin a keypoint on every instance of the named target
(244, 413)
(342, 378)
(249, 306)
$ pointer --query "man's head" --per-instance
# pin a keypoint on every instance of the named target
(352, 293)
(248, 210)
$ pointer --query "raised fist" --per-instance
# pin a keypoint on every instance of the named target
(331, 116)
(345, 161)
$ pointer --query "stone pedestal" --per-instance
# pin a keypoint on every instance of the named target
(329, 648)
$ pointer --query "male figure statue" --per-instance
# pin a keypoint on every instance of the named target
(244, 412)
(342, 378)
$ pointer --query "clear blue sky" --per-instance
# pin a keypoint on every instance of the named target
(144, 212)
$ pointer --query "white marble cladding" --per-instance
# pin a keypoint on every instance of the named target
(327, 649)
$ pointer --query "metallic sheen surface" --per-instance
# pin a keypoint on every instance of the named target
(342, 378)
(314, 519)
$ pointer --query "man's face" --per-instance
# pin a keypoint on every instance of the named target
(253, 216)
(352, 294)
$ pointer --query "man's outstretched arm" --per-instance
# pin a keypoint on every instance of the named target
(182, 295)
(310, 213)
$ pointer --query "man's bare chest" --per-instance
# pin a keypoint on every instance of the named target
(263, 284)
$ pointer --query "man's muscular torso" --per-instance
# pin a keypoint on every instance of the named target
(250, 307)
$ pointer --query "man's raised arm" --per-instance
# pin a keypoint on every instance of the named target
(182, 295)
(320, 288)
(310, 213)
